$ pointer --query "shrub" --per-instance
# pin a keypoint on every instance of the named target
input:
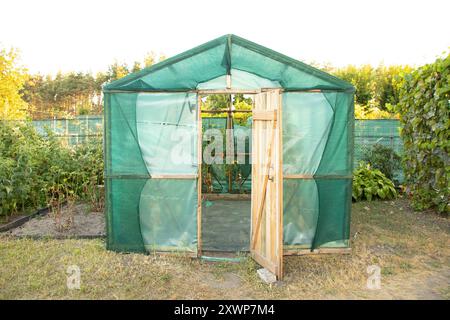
(424, 113)
(370, 184)
(383, 158)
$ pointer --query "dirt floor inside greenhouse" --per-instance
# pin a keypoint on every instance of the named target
(412, 250)
(226, 225)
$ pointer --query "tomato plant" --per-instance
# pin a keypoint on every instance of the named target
(37, 171)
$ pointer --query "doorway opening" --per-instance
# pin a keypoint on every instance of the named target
(230, 226)
(226, 173)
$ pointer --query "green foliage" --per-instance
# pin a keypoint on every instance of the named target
(222, 102)
(361, 78)
(382, 158)
(365, 113)
(64, 95)
(424, 110)
(74, 93)
(37, 171)
(370, 184)
(12, 79)
(376, 88)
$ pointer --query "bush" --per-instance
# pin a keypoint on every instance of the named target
(383, 158)
(424, 110)
(37, 171)
(370, 184)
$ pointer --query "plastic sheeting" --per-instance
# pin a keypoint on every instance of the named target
(167, 132)
(168, 215)
(239, 80)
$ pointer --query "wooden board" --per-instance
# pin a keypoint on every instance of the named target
(266, 245)
(301, 252)
(199, 180)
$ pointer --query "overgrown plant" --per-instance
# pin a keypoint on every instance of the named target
(424, 110)
(383, 158)
(370, 184)
(37, 171)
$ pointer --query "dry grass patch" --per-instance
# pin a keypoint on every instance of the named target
(411, 248)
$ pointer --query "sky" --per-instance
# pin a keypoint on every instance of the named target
(89, 35)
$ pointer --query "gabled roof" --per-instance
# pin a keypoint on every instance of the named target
(221, 56)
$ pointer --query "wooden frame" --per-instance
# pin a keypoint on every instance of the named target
(152, 176)
(280, 181)
(199, 180)
(302, 252)
(201, 93)
(225, 111)
(224, 91)
(310, 176)
(173, 176)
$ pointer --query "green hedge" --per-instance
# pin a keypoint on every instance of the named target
(424, 112)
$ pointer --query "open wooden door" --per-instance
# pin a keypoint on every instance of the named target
(266, 243)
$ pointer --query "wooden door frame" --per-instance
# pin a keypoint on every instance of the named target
(202, 93)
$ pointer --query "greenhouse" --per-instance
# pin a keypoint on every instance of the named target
(281, 185)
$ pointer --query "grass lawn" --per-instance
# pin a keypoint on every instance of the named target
(412, 249)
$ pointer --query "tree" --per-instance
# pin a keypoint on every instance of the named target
(118, 70)
(136, 67)
(362, 79)
(12, 79)
(386, 85)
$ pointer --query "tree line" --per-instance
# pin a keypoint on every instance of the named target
(37, 96)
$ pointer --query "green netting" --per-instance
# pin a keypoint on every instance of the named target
(218, 58)
(241, 171)
(242, 181)
(126, 157)
(145, 135)
(300, 211)
(123, 221)
(334, 211)
(72, 131)
(381, 131)
(317, 148)
(149, 131)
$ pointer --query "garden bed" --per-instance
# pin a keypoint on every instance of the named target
(74, 221)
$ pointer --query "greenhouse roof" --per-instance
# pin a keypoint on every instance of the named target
(228, 55)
